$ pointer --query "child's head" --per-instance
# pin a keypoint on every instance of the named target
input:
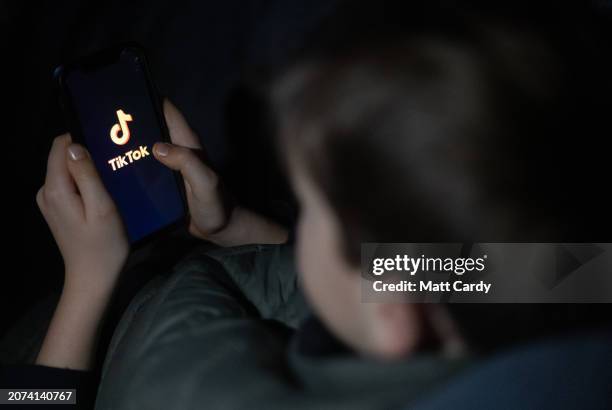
(433, 126)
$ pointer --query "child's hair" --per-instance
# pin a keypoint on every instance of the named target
(440, 123)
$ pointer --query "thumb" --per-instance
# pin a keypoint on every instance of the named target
(90, 186)
(198, 177)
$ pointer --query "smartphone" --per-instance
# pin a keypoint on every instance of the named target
(113, 109)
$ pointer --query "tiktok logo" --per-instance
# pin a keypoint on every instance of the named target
(131, 156)
(123, 127)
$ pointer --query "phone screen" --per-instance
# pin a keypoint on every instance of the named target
(115, 110)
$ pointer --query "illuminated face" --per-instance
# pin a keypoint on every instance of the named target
(121, 127)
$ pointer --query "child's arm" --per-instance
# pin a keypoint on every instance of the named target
(213, 217)
(91, 238)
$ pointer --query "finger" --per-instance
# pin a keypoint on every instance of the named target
(180, 132)
(199, 178)
(58, 182)
(40, 200)
(50, 210)
(95, 197)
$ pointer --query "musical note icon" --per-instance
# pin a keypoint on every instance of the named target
(123, 127)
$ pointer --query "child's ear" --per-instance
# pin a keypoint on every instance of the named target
(397, 329)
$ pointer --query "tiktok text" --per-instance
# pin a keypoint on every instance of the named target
(129, 157)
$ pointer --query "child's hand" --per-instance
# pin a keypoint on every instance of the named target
(208, 212)
(211, 217)
(83, 219)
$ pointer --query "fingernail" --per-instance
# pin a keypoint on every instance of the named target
(76, 152)
(162, 149)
